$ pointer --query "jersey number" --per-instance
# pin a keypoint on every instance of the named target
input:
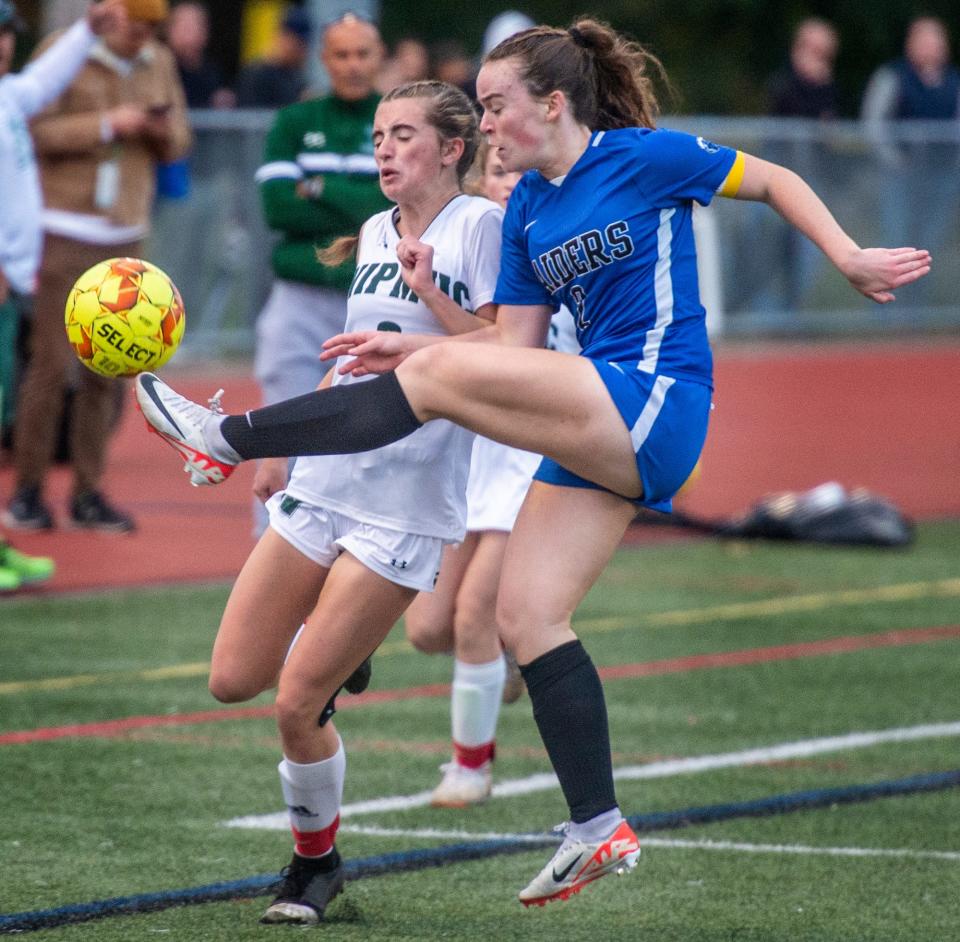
(580, 302)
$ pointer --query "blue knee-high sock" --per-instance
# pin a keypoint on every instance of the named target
(571, 714)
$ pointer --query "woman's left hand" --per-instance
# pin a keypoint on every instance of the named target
(876, 272)
(416, 264)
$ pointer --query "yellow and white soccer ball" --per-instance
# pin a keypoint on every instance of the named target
(124, 316)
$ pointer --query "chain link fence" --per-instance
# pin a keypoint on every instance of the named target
(892, 185)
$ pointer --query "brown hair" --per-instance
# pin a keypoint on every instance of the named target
(473, 184)
(451, 113)
(604, 75)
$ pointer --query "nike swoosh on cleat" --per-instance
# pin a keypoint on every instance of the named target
(559, 877)
(147, 382)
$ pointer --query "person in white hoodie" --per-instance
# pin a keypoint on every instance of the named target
(22, 95)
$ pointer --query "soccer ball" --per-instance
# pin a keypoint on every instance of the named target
(124, 316)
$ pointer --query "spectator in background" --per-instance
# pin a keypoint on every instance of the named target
(805, 87)
(410, 62)
(318, 181)
(21, 97)
(923, 84)
(279, 79)
(188, 33)
(98, 145)
(450, 63)
(920, 176)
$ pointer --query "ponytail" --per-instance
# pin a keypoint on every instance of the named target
(338, 251)
(604, 75)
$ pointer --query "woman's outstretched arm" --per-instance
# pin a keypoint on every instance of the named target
(874, 272)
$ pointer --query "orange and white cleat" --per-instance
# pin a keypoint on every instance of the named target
(577, 863)
(184, 425)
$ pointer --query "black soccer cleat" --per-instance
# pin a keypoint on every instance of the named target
(305, 889)
(359, 680)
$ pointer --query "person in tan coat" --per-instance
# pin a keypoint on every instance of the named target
(98, 147)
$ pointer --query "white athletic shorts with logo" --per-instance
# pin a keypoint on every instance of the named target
(499, 479)
(407, 559)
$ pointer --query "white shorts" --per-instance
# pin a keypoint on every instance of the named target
(407, 559)
(499, 479)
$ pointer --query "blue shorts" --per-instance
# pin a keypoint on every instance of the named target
(667, 418)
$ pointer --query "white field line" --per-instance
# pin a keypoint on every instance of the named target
(509, 788)
(737, 846)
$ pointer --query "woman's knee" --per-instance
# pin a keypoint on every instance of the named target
(430, 636)
(236, 683)
(429, 374)
(298, 710)
(476, 628)
(527, 627)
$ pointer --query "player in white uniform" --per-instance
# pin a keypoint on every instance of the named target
(459, 615)
(352, 540)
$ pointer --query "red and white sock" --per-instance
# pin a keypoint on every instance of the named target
(313, 793)
(474, 708)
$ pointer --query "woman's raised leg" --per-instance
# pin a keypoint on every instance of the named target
(550, 403)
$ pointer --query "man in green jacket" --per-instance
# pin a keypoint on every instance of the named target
(318, 181)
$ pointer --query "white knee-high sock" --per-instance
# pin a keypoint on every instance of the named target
(474, 708)
(313, 793)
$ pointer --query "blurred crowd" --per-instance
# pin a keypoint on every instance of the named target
(922, 83)
(279, 76)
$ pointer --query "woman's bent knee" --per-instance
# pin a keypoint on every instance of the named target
(298, 712)
(430, 638)
(236, 687)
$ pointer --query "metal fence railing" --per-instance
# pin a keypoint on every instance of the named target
(897, 185)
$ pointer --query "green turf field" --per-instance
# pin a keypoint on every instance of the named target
(141, 809)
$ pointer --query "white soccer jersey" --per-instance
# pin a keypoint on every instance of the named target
(500, 475)
(417, 484)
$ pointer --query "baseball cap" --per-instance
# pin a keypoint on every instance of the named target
(9, 18)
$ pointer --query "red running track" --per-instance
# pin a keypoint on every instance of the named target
(787, 417)
(675, 665)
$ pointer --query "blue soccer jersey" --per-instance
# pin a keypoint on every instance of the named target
(614, 243)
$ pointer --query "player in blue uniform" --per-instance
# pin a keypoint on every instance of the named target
(600, 222)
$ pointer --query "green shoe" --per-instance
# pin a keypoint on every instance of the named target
(9, 580)
(27, 569)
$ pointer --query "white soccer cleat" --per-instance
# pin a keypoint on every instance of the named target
(461, 786)
(181, 424)
(577, 863)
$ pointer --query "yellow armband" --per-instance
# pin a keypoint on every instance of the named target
(731, 185)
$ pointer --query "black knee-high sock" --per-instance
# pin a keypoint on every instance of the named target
(335, 421)
(571, 714)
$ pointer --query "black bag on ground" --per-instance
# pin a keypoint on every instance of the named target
(826, 514)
